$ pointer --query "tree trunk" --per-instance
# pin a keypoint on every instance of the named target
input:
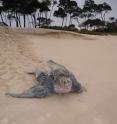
(66, 22)
(34, 17)
(19, 21)
(51, 11)
(9, 19)
(10, 22)
(32, 21)
(101, 16)
(39, 15)
(85, 25)
(62, 22)
(28, 22)
(24, 20)
(1, 17)
(78, 23)
(16, 20)
(70, 21)
(46, 16)
(5, 18)
(95, 14)
(104, 16)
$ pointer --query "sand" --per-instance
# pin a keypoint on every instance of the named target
(93, 60)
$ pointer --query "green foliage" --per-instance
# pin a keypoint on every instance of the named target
(66, 28)
(60, 13)
(94, 22)
(44, 21)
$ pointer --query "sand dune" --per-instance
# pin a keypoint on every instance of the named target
(91, 58)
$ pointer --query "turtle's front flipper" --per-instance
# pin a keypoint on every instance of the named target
(34, 92)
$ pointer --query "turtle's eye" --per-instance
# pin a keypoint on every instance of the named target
(41, 77)
(64, 82)
(61, 75)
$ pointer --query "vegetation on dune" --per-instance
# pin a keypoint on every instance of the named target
(42, 13)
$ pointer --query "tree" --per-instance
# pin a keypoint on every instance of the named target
(103, 9)
(11, 7)
(64, 6)
(111, 25)
(61, 14)
(88, 9)
(72, 7)
(65, 10)
(76, 14)
(53, 3)
(1, 10)
(44, 9)
(112, 19)
(44, 21)
(96, 23)
(10, 18)
(27, 7)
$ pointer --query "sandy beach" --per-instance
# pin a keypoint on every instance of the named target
(93, 60)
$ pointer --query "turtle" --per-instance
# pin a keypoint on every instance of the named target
(52, 78)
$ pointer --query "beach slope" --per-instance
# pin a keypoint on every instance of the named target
(93, 60)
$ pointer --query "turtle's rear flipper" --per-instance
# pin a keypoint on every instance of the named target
(34, 92)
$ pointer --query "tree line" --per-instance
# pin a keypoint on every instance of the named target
(35, 13)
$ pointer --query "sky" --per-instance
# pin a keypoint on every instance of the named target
(113, 4)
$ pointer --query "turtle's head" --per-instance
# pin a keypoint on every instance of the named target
(63, 85)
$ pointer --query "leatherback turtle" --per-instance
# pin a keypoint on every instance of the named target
(52, 78)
